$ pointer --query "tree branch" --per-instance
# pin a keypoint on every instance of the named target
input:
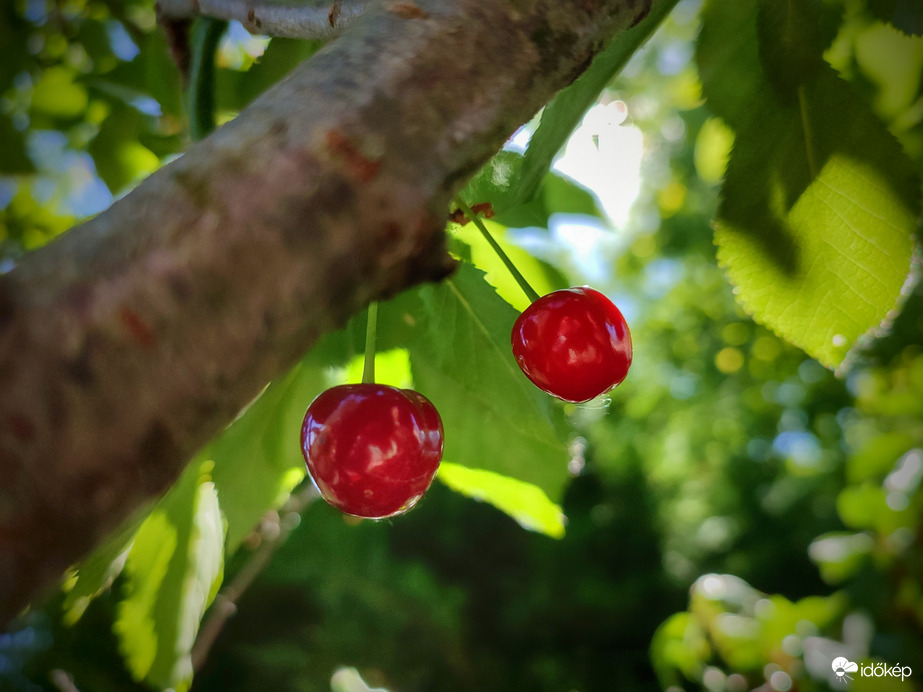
(130, 341)
(308, 20)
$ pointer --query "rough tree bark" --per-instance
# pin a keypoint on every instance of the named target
(129, 342)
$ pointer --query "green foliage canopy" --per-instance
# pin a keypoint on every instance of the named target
(731, 462)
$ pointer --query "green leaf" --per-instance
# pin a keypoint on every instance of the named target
(728, 59)
(819, 202)
(97, 572)
(876, 457)
(822, 271)
(564, 112)
(679, 645)
(839, 555)
(524, 502)
(58, 95)
(867, 506)
(499, 183)
(136, 624)
(173, 572)
(462, 361)
(906, 15)
(258, 457)
(119, 157)
(712, 149)
(561, 195)
(792, 38)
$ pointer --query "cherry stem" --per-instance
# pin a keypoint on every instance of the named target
(520, 279)
(368, 369)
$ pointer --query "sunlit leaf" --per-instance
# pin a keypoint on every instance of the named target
(892, 62)
(97, 572)
(173, 571)
(819, 202)
(120, 159)
(712, 149)
(679, 644)
(524, 502)
(147, 568)
(58, 95)
(821, 256)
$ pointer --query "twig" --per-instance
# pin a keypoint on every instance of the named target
(225, 605)
(316, 20)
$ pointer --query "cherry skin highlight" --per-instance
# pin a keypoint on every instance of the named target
(573, 344)
(372, 450)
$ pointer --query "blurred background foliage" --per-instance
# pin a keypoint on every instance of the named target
(736, 514)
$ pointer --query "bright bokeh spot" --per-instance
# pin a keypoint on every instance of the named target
(712, 149)
(729, 360)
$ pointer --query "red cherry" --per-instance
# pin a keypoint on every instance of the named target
(372, 450)
(573, 344)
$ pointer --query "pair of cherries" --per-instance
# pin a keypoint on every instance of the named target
(373, 450)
